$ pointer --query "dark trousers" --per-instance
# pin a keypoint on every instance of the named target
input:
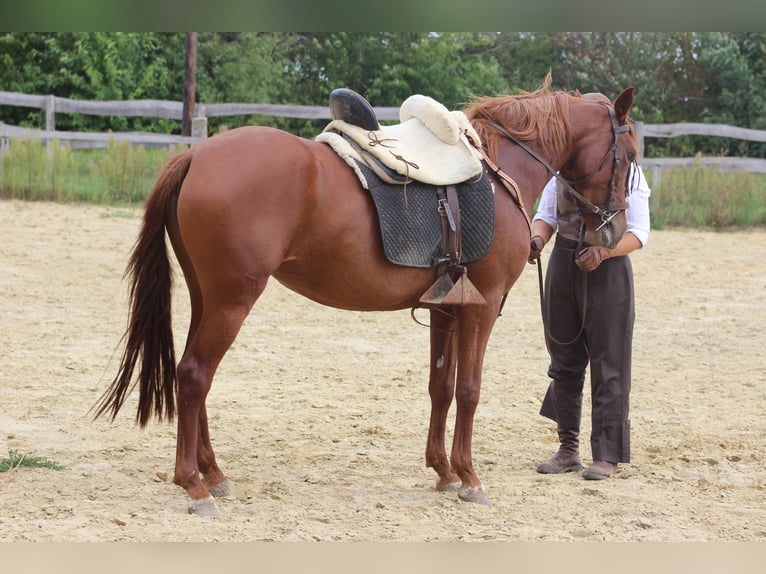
(604, 297)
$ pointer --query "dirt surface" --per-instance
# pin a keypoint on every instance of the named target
(320, 416)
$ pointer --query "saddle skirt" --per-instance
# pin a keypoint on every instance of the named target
(429, 145)
(410, 223)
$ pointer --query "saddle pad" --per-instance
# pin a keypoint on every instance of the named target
(410, 223)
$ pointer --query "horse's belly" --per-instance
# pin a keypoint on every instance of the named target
(357, 288)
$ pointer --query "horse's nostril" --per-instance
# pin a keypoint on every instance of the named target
(608, 235)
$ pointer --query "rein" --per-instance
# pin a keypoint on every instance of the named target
(541, 289)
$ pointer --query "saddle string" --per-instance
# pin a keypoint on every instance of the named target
(377, 140)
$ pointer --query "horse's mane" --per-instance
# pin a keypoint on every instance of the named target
(540, 116)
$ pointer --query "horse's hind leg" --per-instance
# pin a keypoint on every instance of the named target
(215, 333)
(441, 388)
(217, 483)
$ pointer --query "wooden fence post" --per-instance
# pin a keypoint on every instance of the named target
(190, 84)
(656, 170)
(50, 122)
(199, 127)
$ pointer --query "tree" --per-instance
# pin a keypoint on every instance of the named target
(93, 66)
(679, 77)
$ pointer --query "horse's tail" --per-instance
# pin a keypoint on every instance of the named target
(149, 337)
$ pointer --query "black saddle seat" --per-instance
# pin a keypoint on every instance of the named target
(352, 108)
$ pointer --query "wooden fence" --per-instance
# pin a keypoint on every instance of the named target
(149, 108)
(174, 110)
(726, 164)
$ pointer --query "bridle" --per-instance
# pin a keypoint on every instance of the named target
(610, 209)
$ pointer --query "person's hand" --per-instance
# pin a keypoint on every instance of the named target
(591, 257)
(536, 245)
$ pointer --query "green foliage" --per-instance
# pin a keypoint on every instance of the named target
(242, 67)
(16, 460)
(386, 67)
(714, 77)
(717, 77)
(92, 66)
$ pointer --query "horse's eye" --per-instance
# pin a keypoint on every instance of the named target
(631, 156)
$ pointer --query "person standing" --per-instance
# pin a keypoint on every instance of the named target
(590, 302)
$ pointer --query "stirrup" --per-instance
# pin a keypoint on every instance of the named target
(458, 293)
(434, 296)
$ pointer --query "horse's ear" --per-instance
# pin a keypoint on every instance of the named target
(623, 103)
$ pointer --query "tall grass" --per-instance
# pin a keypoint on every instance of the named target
(707, 198)
(118, 174)
(123, 174)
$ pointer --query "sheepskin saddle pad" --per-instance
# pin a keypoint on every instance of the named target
(429, 145)
(410, 223)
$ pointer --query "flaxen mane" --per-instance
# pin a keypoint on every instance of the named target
(541, 115)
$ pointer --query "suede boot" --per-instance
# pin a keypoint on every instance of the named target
(567, 459)
(563, 404)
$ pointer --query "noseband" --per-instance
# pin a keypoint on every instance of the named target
(609, 210)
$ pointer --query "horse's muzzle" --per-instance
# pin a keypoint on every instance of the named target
(606, 233)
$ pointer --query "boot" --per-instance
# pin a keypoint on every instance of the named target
(567, 459)
(599, 470)
(563, 404)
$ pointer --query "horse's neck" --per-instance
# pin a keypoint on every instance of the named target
(530, 174)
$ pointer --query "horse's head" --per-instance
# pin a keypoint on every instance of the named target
(598, 168)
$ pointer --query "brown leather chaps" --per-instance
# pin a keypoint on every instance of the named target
(589, 319)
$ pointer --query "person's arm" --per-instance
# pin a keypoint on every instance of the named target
(591, 257)
(541, 234)
(544, 222)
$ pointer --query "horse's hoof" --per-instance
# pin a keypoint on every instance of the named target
(449, 486)
(221, 489)
(205, 507)
(475, 494)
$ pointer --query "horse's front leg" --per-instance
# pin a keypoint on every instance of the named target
(475, 326)
(441, 388)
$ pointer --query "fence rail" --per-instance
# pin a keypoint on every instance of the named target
(720, 163)
(174, 110)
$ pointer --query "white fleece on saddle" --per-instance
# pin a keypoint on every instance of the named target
(429, 145)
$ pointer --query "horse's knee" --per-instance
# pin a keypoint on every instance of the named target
(467, 395)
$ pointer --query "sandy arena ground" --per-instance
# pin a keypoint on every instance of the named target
(320, 416)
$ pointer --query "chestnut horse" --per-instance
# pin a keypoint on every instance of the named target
(256, 202)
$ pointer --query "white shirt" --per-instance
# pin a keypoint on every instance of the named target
(637, 213)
